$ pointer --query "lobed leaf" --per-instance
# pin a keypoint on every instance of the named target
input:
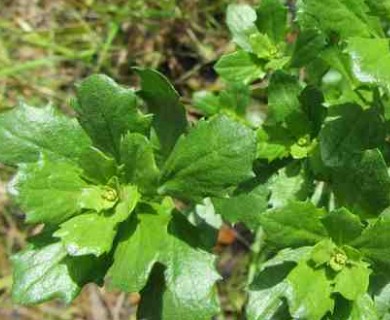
(294, 225)
(363, 185)
(309, 293)
(308, 45)
(169, 114)
(347, 18)
(272, 19)
(51, 192)
(374, 242)
(245, 206)
(352, 282)
(139, 162)
(97, 167)
(93, 233)
(184, 287)
(380, 8)
(283, 93)
(371, 60)
(215, 155)
(26, 131)
(265, 303)
(349, 130)
(274, 142)
(363, 308)
(45, 272)
(240, 66)
(107, 111)
(290, 184)
(342, 226)
(241, 19)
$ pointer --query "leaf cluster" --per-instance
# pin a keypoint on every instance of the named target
(309, 176)
(103, 187)
(320, 198)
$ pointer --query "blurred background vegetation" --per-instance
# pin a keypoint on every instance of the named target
(46, 46)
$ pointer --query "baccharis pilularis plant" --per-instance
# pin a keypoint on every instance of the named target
(308, 175)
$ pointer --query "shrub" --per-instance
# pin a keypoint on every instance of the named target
(309, 176)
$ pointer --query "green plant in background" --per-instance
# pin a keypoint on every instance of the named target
(322, 156)
(310, 181)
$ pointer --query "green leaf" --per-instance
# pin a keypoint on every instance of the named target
(274, 142)
(342, 226)
(318, 168)
(241, 19)
(339, 90)
(374, 242)
(312, 101)
(349, 130)
(139, 164)
(363, 185)
(215, 155)
(26, 131)
(94, 233)
(240, 66)
(352, 281)
(289, 184)
(267, 290)
(245, 206)
(169, 114)
(265, 303)
(363, 308)
(341, 62)
(206, 102)
(284, 105)
(283, 93)
(380, 8)
(141, 240)
(307, 47)
(262, 46)
(382, 302)
(204, 217)
(128, 199)
(297, 224)
(347, 18)
(188, 281)
(32, 267)
(97, 167)
(42, 273)
(151, 304)
(323, 252)
(89, 233)
(287, 255)
(107, 111)
(309, 292)
(61, 187)
(272, 19)
(190, 275)
(235, 97)
(278, 62)
(371, 60)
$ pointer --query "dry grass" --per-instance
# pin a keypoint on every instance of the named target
(45, 46)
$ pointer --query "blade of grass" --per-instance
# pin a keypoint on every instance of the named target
(29, 65)
(112, 32)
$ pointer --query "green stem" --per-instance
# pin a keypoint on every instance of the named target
(256, 249)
